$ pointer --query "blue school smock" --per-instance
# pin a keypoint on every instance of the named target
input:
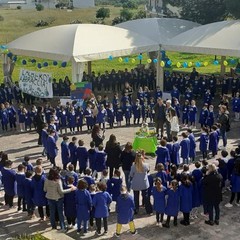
(192, 152)
(101, 201)
(72, 174)
(169, 147)
(20, 178)
(213, 142)
(83, 204)
(125, 208)
(163, 156)
(188, 96)
(70, 204)
(185, 112)
(101, 116)
(230, 167)
(29, 166)
(222, 169)
(196, 198)
(185, 148)
(100, 163)
(119, 114)
(192, 113)
(203, 116)
(65, 153)
(163, 176)
(128, 111)
(28, 120)
(92, 158)
(38, 195)
(82, 156)
(140, 96)
(44, 137)
(185, 198)
(8, 180)
(89, 180)
(210, 119)
(110, 115)
(175, 94)
(203, 142)
(175, 157)
(114, 187)
(89, 117)
(79, 118)
(73, 152)
(177, 109)
(159, 200)
(173, 201)
(207, 98)
(235, 183)
(11, 114)
(150, 181)
(158, 94)
(28, 191)
(63, 117)
(197, 174)
(71, 119)
(137, 111)
(4, 116)
(236, 104)
(51, 147)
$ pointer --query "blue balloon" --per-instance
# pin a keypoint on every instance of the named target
(185, 64)
(55, 63)
(33, 61)
(169, 62)
(110, 58)
(45, 64)
(15, 58)
(233, 61)
(24, 62)
(64, 64)
(39, 65)
(4, 47)
(216, 62)
(9, 54)
(198, 64)
(126, 60)
(155, 60)
(140, 57)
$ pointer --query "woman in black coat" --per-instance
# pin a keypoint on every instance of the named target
(39, 121)
(97, 138)
(212, 193)
(113, 151)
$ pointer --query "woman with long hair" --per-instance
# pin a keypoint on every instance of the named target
(139, 180)
(174, 122)
(97, 137)
(113, 151)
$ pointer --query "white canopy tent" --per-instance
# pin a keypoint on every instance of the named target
(219, 38)
(160, 30)
(81, 43)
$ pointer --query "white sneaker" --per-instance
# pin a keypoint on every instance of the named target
(160, 224)
(157, 223)
(228, 205)
(238, 204)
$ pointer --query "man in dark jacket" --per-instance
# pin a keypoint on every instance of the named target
(160, 116)
(212, 193)
(39, 119)
(224, 121)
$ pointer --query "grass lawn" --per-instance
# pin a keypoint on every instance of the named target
(19, 22)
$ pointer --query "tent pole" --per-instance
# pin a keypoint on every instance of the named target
(89, 68)
(77, 71)
(223, 68)
(160, 72)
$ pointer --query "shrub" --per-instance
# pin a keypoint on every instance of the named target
(41, 23)
(19, 7)
(103, 13)
(76, 21)
(39, 7)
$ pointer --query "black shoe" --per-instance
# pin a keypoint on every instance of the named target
(216, 222)
(135, 212)
(211, 223)
(166, 225)
(183, 222)
(175, 223)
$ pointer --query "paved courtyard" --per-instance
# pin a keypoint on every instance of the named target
(13, 223)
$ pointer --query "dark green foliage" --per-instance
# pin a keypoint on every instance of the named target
(103, 13)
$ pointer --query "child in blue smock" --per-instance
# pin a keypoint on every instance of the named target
(119, 115)
(88, 177)
(79, 119)
(70, 204)
(185, 148)
(231, 164)
(92, 191)
(128, 113)
(82, 156)
(185, 190)
(161, 173)
(100, 163)
(92, 156)
(72, 120)
(125, 211)
(71, 173)
(222, 166)
(203, 116)
(192, 152)
(88, 114)
(52, 149)
(193, 113)
(213, 142)
(159, 203)
(101, 116)
(236, 106)
(137, 112)
(162, 153)
(101, 202)
(65, 153)
(20, 178)
(63, 118)
(38, 195)
(110, 115)
(27, 164)
(4, 117)
(172, 205)
(185, 113)
(175, 156)
(210, 118)
(73, 152)
(83, 206)
(44, 137)
(114, 185)
(11, 116)
(204, 139)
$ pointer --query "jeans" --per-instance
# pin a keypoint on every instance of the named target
(56, 206)
(210, 211)
(223, 133)
(146, 200)
(128, 184)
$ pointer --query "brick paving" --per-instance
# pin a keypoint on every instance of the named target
(13, 223)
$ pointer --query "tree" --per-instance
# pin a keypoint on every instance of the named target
(103, 13)
(233, 7)
(201, 11)
(130, 5)
(140, 14)
(126, 14)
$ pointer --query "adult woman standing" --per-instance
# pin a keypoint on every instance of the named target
(96, 136)
(128, 156)
(39, 120)
(139, 180)
(174, 122)
(113, 151)
(54, 193)
(212, 193)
